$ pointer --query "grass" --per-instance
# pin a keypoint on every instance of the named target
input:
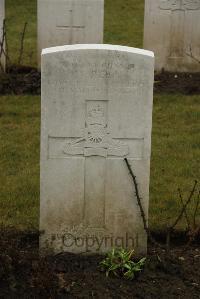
(175, 157)
(176, 134)
(123, 26)
(17, 13)
(124, 22)
(19, 161)
(175, 154)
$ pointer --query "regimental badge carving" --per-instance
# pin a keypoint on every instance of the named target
(97, 140)
(179, 5)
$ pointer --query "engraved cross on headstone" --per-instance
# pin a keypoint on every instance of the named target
(72, 20)
(178, 9)
(95, 147)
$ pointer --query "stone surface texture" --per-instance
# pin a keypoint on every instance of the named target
(67, 22)
(172, 31)
(2, 17)
(96, 110)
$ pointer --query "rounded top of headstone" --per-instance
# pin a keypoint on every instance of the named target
(97, 47)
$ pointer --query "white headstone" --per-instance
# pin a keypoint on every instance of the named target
(67, 22)
(172, 31)
(2, 41)
(96, 110)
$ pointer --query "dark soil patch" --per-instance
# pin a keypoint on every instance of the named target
(184, 83)
(27, 80)
(20, 80)
(23, 274)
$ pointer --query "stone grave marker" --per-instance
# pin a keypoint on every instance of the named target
(2, 41)
(96, 110)
(66, 22)
(172, 31)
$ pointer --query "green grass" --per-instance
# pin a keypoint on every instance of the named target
(124, 22)
(175, 157)
(17, 13)
(123, 26)
(19, 161)
(175, 154)
(176, 133)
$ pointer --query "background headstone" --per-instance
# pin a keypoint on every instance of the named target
(67, 22)
(172, 31)
(2, 17)
(96, 110)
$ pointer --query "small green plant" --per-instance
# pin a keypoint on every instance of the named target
(119, 262)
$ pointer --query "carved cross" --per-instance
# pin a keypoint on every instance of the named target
(71, 22)
(95, 147)
(178, 9)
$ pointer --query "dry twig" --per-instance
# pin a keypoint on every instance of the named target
(196, 209)
(171, 228)
(184, 206)
(22, 43)
(185, 211)
(140, 205)
(2, 43)
(192, 56)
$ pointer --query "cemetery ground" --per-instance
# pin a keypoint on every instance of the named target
(175, 158)
(174, 164)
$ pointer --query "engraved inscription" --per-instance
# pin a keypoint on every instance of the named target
(178, 10)
(180, 5)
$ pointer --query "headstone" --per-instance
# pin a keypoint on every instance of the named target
(2, 36)
(172, 31)
(96, 110)
(67, 22)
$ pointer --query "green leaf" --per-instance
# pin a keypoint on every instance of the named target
(118, 261)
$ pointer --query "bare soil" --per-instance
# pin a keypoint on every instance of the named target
(24, 274)
(20, 80)
(183, 83)
(27, 80)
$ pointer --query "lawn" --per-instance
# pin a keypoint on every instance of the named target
(123, 26)
(19, 160)
(17, 14)
(175, 157)
(176, 132)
